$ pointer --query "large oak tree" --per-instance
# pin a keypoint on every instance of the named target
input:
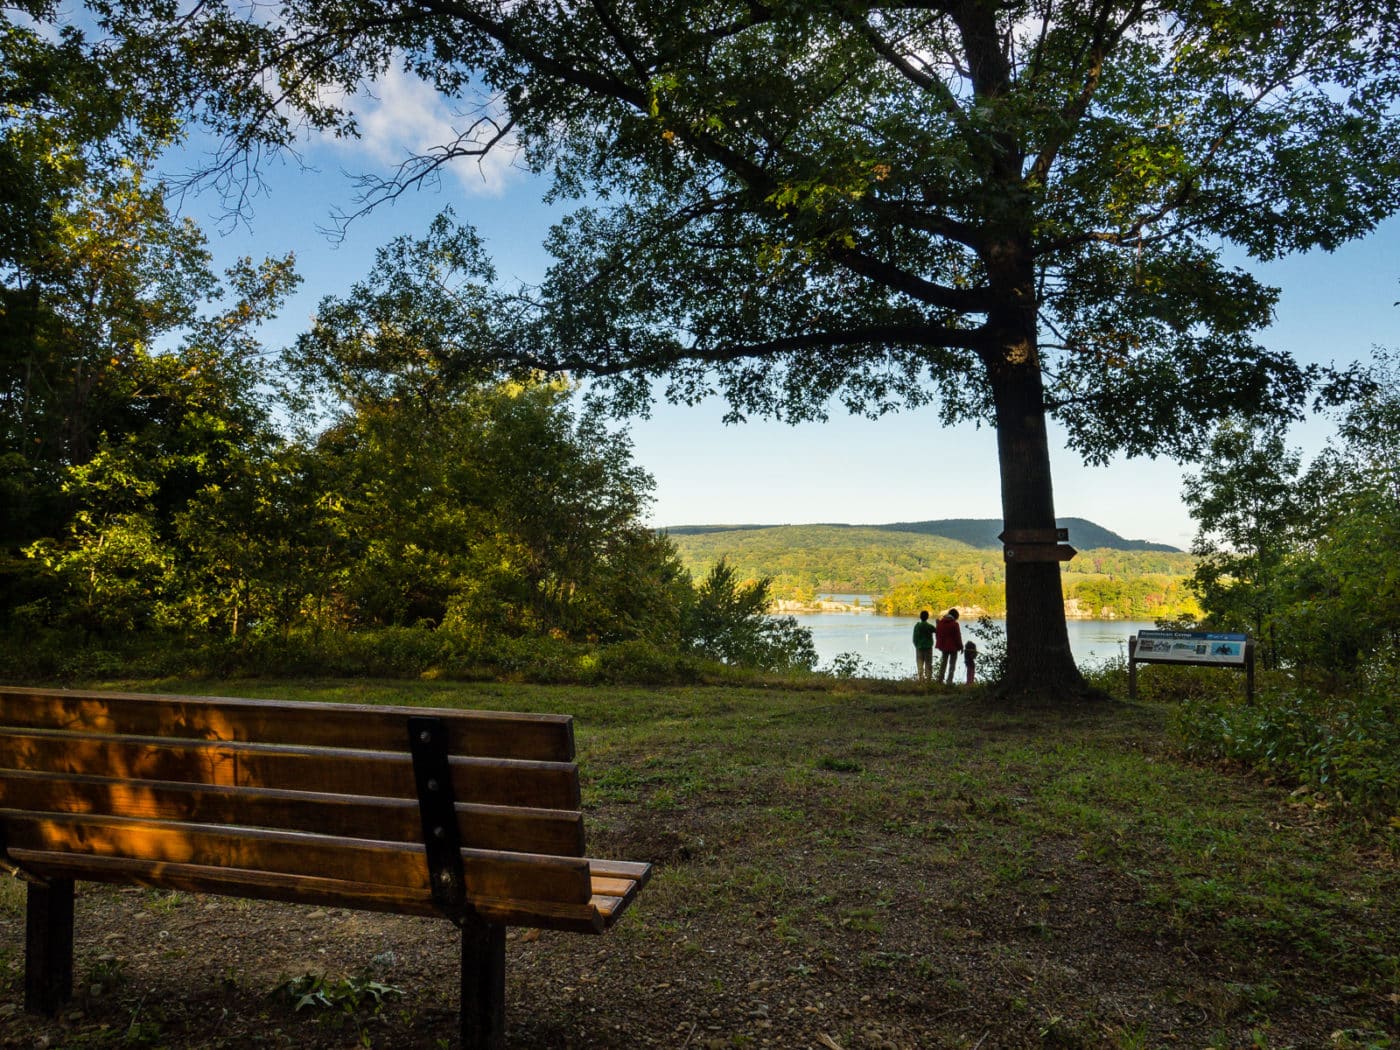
(1019, 211)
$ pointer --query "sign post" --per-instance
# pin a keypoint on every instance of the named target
(1202, 648)
(1036, 545)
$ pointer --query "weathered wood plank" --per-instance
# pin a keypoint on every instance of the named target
(606, 887)
(489, 873)
(612, 893)
(488, 781)
(510, 828)
(635, 871)
(485, 734)
(300, 889)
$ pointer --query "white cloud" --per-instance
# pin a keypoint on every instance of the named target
(403, 116)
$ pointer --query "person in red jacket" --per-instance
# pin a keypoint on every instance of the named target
(948, 641)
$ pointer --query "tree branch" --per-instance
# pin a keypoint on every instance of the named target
(1103, 41)
(420, 168)
(914, 336)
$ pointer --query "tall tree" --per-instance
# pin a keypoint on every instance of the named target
(191, 421)
(94, 272)
(484, 504)
(1308, 560)
(1248, 515)
(1013, 209)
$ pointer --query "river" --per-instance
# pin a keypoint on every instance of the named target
(885, 642)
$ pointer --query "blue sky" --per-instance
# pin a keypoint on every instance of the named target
(904, 467)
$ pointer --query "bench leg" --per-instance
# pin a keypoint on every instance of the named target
(483, 984)
(48, 946)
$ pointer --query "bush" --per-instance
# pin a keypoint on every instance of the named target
(1179, 683)
(1344, 748)
(643, 663)
(728, 621)
(392, 652)
(846, 666)
(990, 637)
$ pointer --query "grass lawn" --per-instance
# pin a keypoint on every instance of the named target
(834, 869)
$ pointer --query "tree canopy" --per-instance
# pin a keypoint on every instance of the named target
(1014, 212)
(1307, 557)
(1017, 211)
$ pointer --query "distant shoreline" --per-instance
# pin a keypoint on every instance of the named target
(792, 607)
(822, 605)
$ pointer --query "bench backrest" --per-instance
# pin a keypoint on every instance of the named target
(292, 800)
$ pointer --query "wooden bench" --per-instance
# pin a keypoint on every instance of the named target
(472, 815)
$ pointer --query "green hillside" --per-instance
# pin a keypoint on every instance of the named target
(983, 532)
(810, 559)
(975, 532)
(912, 568)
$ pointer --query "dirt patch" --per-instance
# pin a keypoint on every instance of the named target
(900, 954)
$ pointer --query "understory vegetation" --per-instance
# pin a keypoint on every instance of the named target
(1338, 749)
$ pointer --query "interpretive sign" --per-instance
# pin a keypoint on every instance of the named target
(1203, 648)
(1191, 647)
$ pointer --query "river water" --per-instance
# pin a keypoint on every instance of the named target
(886, 642)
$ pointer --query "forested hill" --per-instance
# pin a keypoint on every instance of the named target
(982, 533)
(975, 532)
(804, 559)
(913, 565)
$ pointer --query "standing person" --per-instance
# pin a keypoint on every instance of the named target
(948, 641)
(923, 648)
(970, 660)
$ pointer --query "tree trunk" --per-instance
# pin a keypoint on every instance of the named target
(1039, 663)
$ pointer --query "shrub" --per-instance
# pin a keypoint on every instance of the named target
(990, 637)
(846, 666)
(390, 652)
(728, 621)
(643, 663)
(1345, 748)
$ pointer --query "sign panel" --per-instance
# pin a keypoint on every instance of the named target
(1010, 536)
(1190, 647)
(1038, 552)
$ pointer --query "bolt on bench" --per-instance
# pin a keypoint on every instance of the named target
(471, 815)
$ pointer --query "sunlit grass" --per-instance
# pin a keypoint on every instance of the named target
(868, 830)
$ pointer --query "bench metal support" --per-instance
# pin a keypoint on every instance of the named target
(48, 946)
(483, 984)
(483, 943)
(427, 740)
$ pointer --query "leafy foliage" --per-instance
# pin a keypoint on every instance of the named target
(418, 497)
(345, 994)
(728, 621)
(1306, 559)
(1343, 748)
(1013, 212)
(990, 637)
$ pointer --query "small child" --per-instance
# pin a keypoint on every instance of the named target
(970, 658)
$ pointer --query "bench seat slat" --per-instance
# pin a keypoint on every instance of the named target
(512, 828)
(489, 873)
(594, 917)
(535, 784)
(633, 871)
(487, 734)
